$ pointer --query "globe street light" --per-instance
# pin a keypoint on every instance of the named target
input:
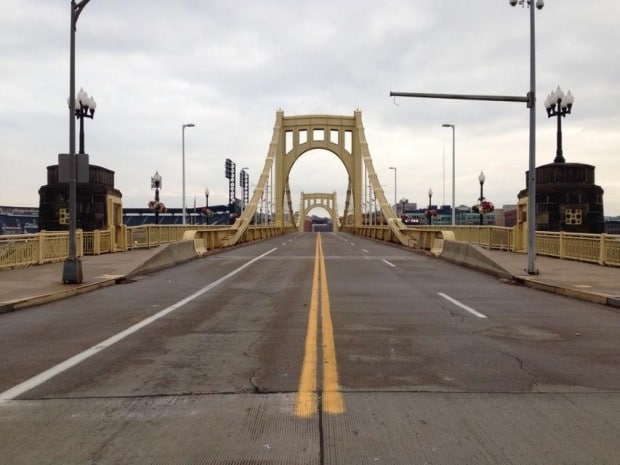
(156, 184)
(558, 104)
(448, 125)
(395, 196)
(188, 125)
(87, 106)
(481, 178)
(72, 267)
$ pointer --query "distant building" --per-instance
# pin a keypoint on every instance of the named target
(19, 220)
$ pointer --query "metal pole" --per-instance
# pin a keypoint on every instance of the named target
(183, 177)
(453, 177)
(157, 205)
(188, 125)
(446, 125)
(72, 267)
(481, 199)
(559, 153)
(531, 202)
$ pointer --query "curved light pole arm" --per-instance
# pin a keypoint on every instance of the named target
(77, 9)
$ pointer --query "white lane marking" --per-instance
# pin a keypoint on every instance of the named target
(364, 250)
(388, 263)
(71, 362)
(463, 306)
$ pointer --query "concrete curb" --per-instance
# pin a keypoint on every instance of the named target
(12, 305)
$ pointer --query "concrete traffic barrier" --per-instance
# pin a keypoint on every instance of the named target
(472, 256)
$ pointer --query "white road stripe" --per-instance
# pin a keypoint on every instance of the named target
(364, 250)
(71, 362)
(463, 306)
(391, 264)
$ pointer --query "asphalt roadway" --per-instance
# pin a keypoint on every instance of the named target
(33, 285)
(419, 379)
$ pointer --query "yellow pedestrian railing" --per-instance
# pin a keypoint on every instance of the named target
(602, 249)
(46, 247)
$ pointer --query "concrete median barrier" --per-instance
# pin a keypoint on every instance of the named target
(165, 256)
(472, 256)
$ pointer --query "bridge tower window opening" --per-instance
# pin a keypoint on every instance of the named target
(334, 136)
(348, 141)
(288, 141)
(303, 136)
(318, 134)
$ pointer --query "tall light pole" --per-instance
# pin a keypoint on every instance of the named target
(531, 103)
(559, 104)
(530, 100)
(188, 125)
(72, 267)
(395, 190)
(449, 125)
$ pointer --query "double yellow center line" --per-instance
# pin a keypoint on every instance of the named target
(307, 397)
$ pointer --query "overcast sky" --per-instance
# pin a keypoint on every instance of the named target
(227, 67)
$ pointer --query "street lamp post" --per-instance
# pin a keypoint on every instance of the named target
(558, 104)
(188, 125)
(449, 125)
(72, 266)
(207, 205)
(430, 216)
(531, 103)
(395, 190)
(156, 184)
(481, 178)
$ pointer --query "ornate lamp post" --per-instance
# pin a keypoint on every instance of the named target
(207, 205)
(156, 184)
(72, 267)
(430, 216)
(559, 104)
(481, 178)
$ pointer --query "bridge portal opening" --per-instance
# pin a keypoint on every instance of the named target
(318, 220)
(319, 170)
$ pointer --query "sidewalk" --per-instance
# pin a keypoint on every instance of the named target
(585, 281)
(23, 287)
(37, 284)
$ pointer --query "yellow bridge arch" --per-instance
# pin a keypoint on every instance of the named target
(292, 137)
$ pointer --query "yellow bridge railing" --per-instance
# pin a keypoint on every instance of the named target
(46, 247)
(602, 249)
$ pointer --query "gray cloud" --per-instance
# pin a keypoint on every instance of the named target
(228, 66)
